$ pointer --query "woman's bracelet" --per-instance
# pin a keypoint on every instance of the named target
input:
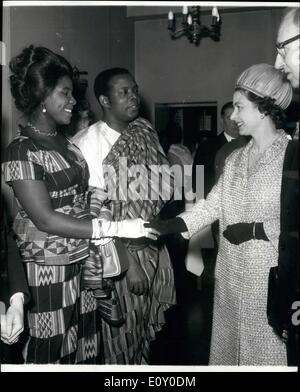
(97, 232)
(254, 236)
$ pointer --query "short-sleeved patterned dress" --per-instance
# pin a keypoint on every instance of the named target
(62, 319)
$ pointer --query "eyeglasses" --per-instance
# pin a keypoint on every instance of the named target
(280, 46)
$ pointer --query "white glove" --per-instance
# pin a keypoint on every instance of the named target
(12, 323)
(130, 228)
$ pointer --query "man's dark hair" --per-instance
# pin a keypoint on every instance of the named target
(101, 83)
(226, 106)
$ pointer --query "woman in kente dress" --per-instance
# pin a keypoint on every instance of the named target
(49, 177)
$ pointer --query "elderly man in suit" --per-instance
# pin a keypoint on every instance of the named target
(286, 324)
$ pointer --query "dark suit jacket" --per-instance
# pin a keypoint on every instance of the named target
(17, 281)
(13, 278)
(288, 261)
(205, 155)
(225, 151)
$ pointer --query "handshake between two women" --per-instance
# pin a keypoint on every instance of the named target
(135, 228)
(236, 233)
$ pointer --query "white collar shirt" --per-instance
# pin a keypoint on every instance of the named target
(95, 142)
(228, 137)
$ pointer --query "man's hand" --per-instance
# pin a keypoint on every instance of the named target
(136, 279)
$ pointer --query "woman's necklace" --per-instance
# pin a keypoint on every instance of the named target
(50, 133)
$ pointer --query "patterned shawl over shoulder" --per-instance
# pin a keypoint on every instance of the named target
(137, 173)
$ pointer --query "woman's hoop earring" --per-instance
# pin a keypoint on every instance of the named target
(262, 116)
(44, 110)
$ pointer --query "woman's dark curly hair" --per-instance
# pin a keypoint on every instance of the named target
(266, 106)
(35, 73)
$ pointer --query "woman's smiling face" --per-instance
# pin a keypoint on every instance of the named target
(60, 102)
(246, 114)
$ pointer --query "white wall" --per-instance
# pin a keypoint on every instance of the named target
(178, 71)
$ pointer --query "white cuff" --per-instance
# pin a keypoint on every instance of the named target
(16, 295)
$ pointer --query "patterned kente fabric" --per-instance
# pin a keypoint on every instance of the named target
(143, 190)
(63, 323)
(66, 181)
(144, 314)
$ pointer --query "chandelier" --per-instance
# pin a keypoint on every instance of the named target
(192, 27)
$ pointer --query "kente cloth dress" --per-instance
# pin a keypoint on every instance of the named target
(105, 150)
(241, 334)
(62, 319)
